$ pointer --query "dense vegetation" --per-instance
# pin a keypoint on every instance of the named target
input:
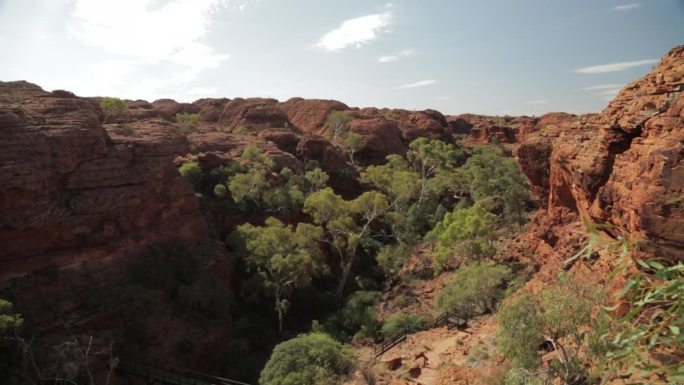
(325, 260)
(332, 252)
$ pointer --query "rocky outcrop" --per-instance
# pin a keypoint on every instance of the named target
(254, 113)
(309, 115)
(624, 166)
(72, 191)
(381, 137)
(488, 129)
(212, 149)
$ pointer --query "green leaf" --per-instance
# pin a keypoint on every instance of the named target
(674, 329)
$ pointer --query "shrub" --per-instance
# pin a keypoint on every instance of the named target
(309, 359)
(474, 289)
(392, 257)
(407, 322)
(564, 315)
(187, 118)
(192, 172)
(356, 319)
(220, 190)
(113, 107)
(390, 115)
(337, 123)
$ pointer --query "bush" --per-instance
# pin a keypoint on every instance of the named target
(392, 257)
(564, 315)
(409, 323)
(474, 289)
(309, 359)
(193, 173)
(113, 107)
(390, 115)
(187, 118)
(356, 319)
(337, 123)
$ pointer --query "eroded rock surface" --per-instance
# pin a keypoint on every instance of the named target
(622, 167)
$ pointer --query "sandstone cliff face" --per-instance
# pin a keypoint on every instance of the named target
(624, 166)
(73, 191)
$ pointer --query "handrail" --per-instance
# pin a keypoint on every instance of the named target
(399, 336)
(171, 375)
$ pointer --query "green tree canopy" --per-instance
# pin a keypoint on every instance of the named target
(285, 257)
(309, 359)
(468, 231)
(346, 223)
(495, 180)
(192, 172)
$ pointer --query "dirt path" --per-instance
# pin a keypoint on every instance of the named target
(429, 357)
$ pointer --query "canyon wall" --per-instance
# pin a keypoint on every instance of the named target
(623, 167)
(86, 199)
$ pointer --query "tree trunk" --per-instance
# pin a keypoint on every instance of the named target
(343, 281)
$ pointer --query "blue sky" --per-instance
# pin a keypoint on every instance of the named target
(485, 56)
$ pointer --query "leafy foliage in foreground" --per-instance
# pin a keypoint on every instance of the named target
(652, 326)
(564, 315)
(309, 359)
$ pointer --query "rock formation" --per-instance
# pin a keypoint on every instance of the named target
(623, 167)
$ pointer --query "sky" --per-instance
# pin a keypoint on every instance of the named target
(496, 57)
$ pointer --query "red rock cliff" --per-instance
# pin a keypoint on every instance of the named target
(624, 166)
(72, 191)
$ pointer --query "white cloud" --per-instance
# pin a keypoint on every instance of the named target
(604, 91)
(392, 58)
(421, 83)
(387, 59)
(614, 67)
(602, 87)
(149, 36)
(626, 7)
(355, 32)
(537, 102)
